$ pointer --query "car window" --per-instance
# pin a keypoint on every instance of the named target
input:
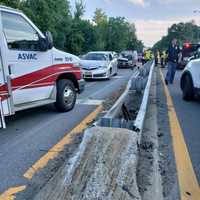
(20, 35)
(95, 56)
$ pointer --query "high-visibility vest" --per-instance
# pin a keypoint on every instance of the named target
(147, 55)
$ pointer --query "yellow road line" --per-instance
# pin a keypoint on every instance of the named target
(189, 187)
(54, 151)
(10, 193)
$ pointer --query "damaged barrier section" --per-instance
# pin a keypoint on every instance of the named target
(106, 165)
(129, 109)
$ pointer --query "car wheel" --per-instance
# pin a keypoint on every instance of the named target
(188, 89)
(66, 95)
(109, 74)
(116, 72)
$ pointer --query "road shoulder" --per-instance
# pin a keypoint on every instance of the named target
(167, 159)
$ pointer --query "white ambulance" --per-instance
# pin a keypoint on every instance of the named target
(32, 72)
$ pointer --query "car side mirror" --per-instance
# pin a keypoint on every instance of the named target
(47, 42)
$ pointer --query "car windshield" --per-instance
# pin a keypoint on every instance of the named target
(95, 56)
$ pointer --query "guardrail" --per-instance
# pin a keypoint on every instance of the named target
(139, 81)
(117, 106)
(139, 121)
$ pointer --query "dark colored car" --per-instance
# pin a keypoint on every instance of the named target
(188, 52)
(125, 61)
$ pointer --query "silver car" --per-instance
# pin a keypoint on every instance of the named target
(99, 65)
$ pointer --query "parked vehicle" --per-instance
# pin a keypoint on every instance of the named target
(188, 53)
(190, 79)
(126, 59)
(32, 72)
(99, 65)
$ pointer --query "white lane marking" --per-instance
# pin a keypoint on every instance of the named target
(103, 89)
(117, 77)
(89, 102)
(107, 86)
(90, 84)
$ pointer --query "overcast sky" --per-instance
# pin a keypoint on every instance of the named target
(151, 17)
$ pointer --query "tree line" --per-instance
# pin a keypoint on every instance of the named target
(74, 34)
(184, 32)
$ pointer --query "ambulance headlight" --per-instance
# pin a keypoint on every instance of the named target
(78, 65)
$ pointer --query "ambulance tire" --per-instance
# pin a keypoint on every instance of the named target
(66, 95)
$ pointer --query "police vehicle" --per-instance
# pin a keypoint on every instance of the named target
(190, 79)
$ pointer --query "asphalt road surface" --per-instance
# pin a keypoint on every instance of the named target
(31, 133)
(189, 118)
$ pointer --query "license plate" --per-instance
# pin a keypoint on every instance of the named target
(88, 73)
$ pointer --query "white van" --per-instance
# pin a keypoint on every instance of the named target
(32, 72)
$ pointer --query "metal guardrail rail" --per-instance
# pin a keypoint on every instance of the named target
(139, 121)
(117, 106)
(110, 120)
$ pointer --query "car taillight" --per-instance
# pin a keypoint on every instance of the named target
(187, 45)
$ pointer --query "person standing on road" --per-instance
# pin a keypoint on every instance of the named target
(135, 58)
(173, 57)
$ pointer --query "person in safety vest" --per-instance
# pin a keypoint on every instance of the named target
(163, 59)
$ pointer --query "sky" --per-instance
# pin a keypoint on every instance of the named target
(151, 17)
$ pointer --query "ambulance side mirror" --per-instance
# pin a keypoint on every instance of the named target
(49, 39)
(47, 42)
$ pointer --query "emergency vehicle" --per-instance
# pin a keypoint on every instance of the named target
(32, 72)
(190, 79)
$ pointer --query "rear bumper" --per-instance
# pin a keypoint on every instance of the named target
(81, 85)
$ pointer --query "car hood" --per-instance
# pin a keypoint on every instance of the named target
(92, 64)
(123, 59)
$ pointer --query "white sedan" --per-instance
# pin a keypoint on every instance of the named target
(99, 65)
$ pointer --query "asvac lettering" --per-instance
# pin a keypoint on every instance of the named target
(27, 56)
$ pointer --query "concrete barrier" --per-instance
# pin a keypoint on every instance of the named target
(103, 168)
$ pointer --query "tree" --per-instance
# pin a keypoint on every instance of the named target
(74, 34)
(11, 3)
(52, 15)
(184, 32)
(79, 9)
(100, 17)
(117, 34)
(101, 23)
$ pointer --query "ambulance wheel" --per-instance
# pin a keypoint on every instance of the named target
(66, 95)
